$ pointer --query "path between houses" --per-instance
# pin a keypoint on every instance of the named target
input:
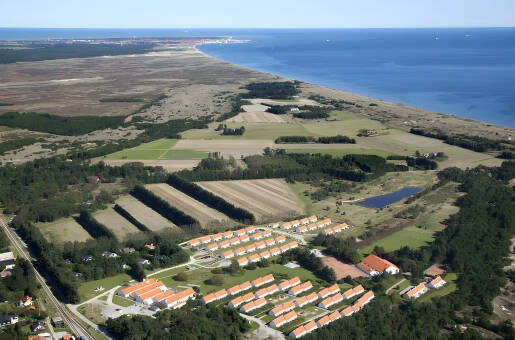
(263, 332)
(395, 285)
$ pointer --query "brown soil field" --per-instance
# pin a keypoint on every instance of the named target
(227, 147)
(170, 165)
(204, 214)
(64, 230)
(120, 227)
(342, 269)
(267, 199)
(143, 214)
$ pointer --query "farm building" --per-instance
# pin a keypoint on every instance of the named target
(303, 330)
(416, 291)
(337, 298)
(193, 243)
(127, 291)
(257, 236)
(283, 319)
(253, 305)
(436, 283)
(286, 226)
(179, 299)
(374, 265)
(270, 242)
(227, 255)
(240, 251)
(224, 244)
(280, 239)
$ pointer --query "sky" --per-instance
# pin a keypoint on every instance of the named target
(255, 14)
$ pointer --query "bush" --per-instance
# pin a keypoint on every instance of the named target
(182, 276)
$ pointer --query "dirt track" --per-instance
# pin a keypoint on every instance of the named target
(265, 198)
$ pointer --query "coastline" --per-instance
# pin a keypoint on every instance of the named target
(396, 115)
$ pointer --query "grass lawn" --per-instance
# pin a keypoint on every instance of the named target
(450, 287)
(168, 273)
(86, 289)
(136, 154)
(184, 154)
(198, 276)
(412, 237)
(160, 144)
(118, 300)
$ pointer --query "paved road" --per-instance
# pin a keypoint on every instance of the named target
(395, 285)
(67, 317)
(264, 332)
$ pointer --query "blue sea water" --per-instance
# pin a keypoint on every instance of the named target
(468, 72)
(387, 199)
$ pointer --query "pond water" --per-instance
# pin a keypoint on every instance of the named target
(387, 199)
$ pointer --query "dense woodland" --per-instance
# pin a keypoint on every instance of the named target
(475, 143)
(272, 90)
(475, 244)
(193, 321)
(38, 52)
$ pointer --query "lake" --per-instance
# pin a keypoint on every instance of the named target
(387, 199)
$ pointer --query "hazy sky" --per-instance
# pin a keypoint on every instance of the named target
(257, 13)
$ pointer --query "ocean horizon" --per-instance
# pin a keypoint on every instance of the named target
(468, 72)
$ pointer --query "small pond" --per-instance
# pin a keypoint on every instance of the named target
(387, 199)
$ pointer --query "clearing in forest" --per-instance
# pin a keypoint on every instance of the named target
(265, 198)
(145, 215)
(120, 227)
(204, 214)
(64, 230)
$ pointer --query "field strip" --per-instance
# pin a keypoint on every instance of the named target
(145, 215)
(187, 204)
(120, 227)
(64, 230)
(263, 198)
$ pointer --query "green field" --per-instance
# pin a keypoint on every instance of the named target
(198, 276)
(184, 154)
(118, 300)
(136, 154)
(412, 237)
(160, 144)
(86, 289)
(337, 152)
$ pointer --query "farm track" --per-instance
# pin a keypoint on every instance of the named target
(66, 315)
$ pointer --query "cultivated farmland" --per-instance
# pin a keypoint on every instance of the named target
(64, 230)
(205, 215)
(120, 227)
(143, 214)
(265, 198)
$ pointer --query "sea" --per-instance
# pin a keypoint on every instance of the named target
(469, 72)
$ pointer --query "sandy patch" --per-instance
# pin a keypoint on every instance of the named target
(145, 215)
(259, 117)
(341, 269)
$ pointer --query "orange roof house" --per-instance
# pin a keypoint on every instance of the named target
(280, 239)
(379, 265)
(270, 242)
(254, 258)
(244, 238)
(236, 302)
(275, 251)
(416, 291)
(217, 237)
(225, 244)
(243, 261)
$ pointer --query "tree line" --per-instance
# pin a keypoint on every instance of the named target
(164, 208)
(195, 320)
(272, 90)
(474, 143)
(210, 199)
(93, 227)
(338, 139)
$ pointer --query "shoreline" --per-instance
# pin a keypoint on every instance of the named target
(467, 121)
